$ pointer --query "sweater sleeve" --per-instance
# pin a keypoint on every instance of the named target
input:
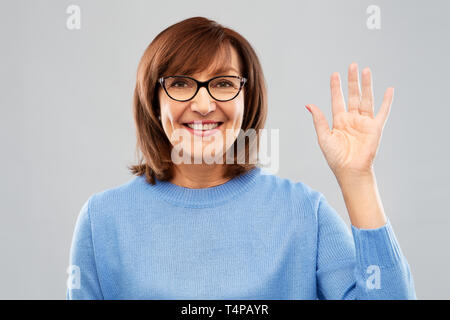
(369, 265)
(83, 282)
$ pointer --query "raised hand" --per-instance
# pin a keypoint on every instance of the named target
(352, 144)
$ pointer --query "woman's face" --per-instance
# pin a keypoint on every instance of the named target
(203, 142)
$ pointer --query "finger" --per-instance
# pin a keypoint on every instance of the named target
(337, 97)
(366, 107)
(320, 122)
(385, 108)
(354, 93)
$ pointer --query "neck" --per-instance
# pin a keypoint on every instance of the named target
(197, 176)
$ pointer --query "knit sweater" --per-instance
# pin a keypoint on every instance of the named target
(257, 236)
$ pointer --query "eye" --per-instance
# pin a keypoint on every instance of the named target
(180, 82)
(223, 84)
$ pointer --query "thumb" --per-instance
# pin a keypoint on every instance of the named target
(320, 122)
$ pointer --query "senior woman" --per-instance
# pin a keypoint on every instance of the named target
(187, 228)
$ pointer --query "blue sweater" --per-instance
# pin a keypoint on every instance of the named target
(258, 236)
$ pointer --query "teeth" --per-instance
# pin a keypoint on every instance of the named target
(198, 126)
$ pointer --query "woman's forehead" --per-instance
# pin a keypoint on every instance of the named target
(225, 70)
(226, 61)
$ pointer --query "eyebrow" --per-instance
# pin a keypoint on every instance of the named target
(223, 70)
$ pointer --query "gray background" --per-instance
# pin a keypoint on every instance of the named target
(67, 129)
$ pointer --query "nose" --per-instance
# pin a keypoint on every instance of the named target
(203, 103)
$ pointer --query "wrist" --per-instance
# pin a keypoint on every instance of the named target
(362, 200)
(355, 177)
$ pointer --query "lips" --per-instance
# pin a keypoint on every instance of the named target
(202, 125)
(203, 128)
(203, 122)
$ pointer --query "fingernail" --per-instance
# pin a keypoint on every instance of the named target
(309, 109)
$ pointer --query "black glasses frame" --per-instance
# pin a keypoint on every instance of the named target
(201, 84)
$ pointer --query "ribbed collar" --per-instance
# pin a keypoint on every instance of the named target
(204, 197)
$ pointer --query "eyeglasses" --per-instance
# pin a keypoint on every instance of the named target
(220, 88)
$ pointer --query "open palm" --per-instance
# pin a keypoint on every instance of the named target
(351, 146)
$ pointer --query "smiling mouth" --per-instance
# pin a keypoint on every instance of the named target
(203, 127)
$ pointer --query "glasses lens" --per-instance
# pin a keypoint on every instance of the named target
(224, 88)
(180, 88)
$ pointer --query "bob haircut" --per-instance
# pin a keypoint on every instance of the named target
(187, 47)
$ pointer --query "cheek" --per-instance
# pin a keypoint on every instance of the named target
(170, 112)
(235, 112)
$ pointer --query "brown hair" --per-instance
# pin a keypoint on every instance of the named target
(183, 48)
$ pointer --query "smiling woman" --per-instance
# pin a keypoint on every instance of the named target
(233, 231)
(212, 108)
(195, 72)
